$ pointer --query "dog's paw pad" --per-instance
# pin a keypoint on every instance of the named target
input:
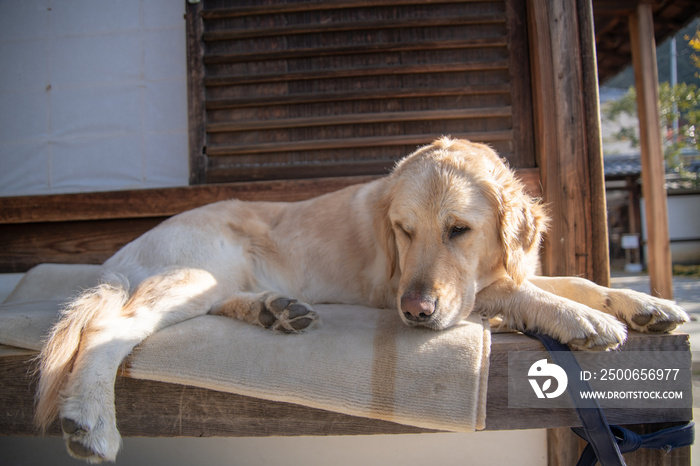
(645, 313)
(80, 451)
(75, 437)
(287, 315)
(70, 427)
(642, 319)
(662, 326)
(659, 319)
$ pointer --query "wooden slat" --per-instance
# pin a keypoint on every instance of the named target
(321, 144)
(233, 168)
(305, 87)
(314, 28)
(389, 117)
(238, 57)
(179, 410)
(357, 72)
(294, 99)
(302, 7)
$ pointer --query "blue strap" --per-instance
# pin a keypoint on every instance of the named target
(628, 441)
(592, 418)
(607, 443)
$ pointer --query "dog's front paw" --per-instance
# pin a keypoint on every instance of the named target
(646, 313)
(596, 331)
(286, 315)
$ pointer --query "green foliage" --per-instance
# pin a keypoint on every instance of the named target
(694, 43)
(681, 101)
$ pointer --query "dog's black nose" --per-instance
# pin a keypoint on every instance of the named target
(417, 308)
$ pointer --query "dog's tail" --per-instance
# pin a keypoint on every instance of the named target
(56, 359)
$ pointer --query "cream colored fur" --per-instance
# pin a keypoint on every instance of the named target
(450, 232)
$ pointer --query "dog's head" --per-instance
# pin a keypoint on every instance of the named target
(452, 220)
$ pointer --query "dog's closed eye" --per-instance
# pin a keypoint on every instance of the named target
(458, 230)
(407, 232)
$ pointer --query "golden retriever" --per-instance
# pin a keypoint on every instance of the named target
(449, 232)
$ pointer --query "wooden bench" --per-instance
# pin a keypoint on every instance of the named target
(176, 410)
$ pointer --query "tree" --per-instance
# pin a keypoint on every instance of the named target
(694, 43)
(679, 103)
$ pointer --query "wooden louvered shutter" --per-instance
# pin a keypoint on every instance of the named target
(308, 89)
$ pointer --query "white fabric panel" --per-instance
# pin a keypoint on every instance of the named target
(93, 96)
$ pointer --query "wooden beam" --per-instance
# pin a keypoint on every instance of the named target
(179, 410)
(653, 188)
(89, 227)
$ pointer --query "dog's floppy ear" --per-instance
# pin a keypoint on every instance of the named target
(522, 222)
(384, 231)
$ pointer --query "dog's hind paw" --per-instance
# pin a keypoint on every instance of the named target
(92, 445)
(286, 315)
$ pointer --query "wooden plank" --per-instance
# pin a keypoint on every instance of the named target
(170, 201)
(360, 118)
(382, 94)
(151, 409)
(224, 168)
(375, 141)
(239, 57)
(159, 202)
(653, 176)
(432, 68)
(87, 242)
(219, 13)
(316, 28)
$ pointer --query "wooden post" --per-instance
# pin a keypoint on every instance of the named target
(561, 137)
(195, 94)
(643, 44)
(569, 150)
